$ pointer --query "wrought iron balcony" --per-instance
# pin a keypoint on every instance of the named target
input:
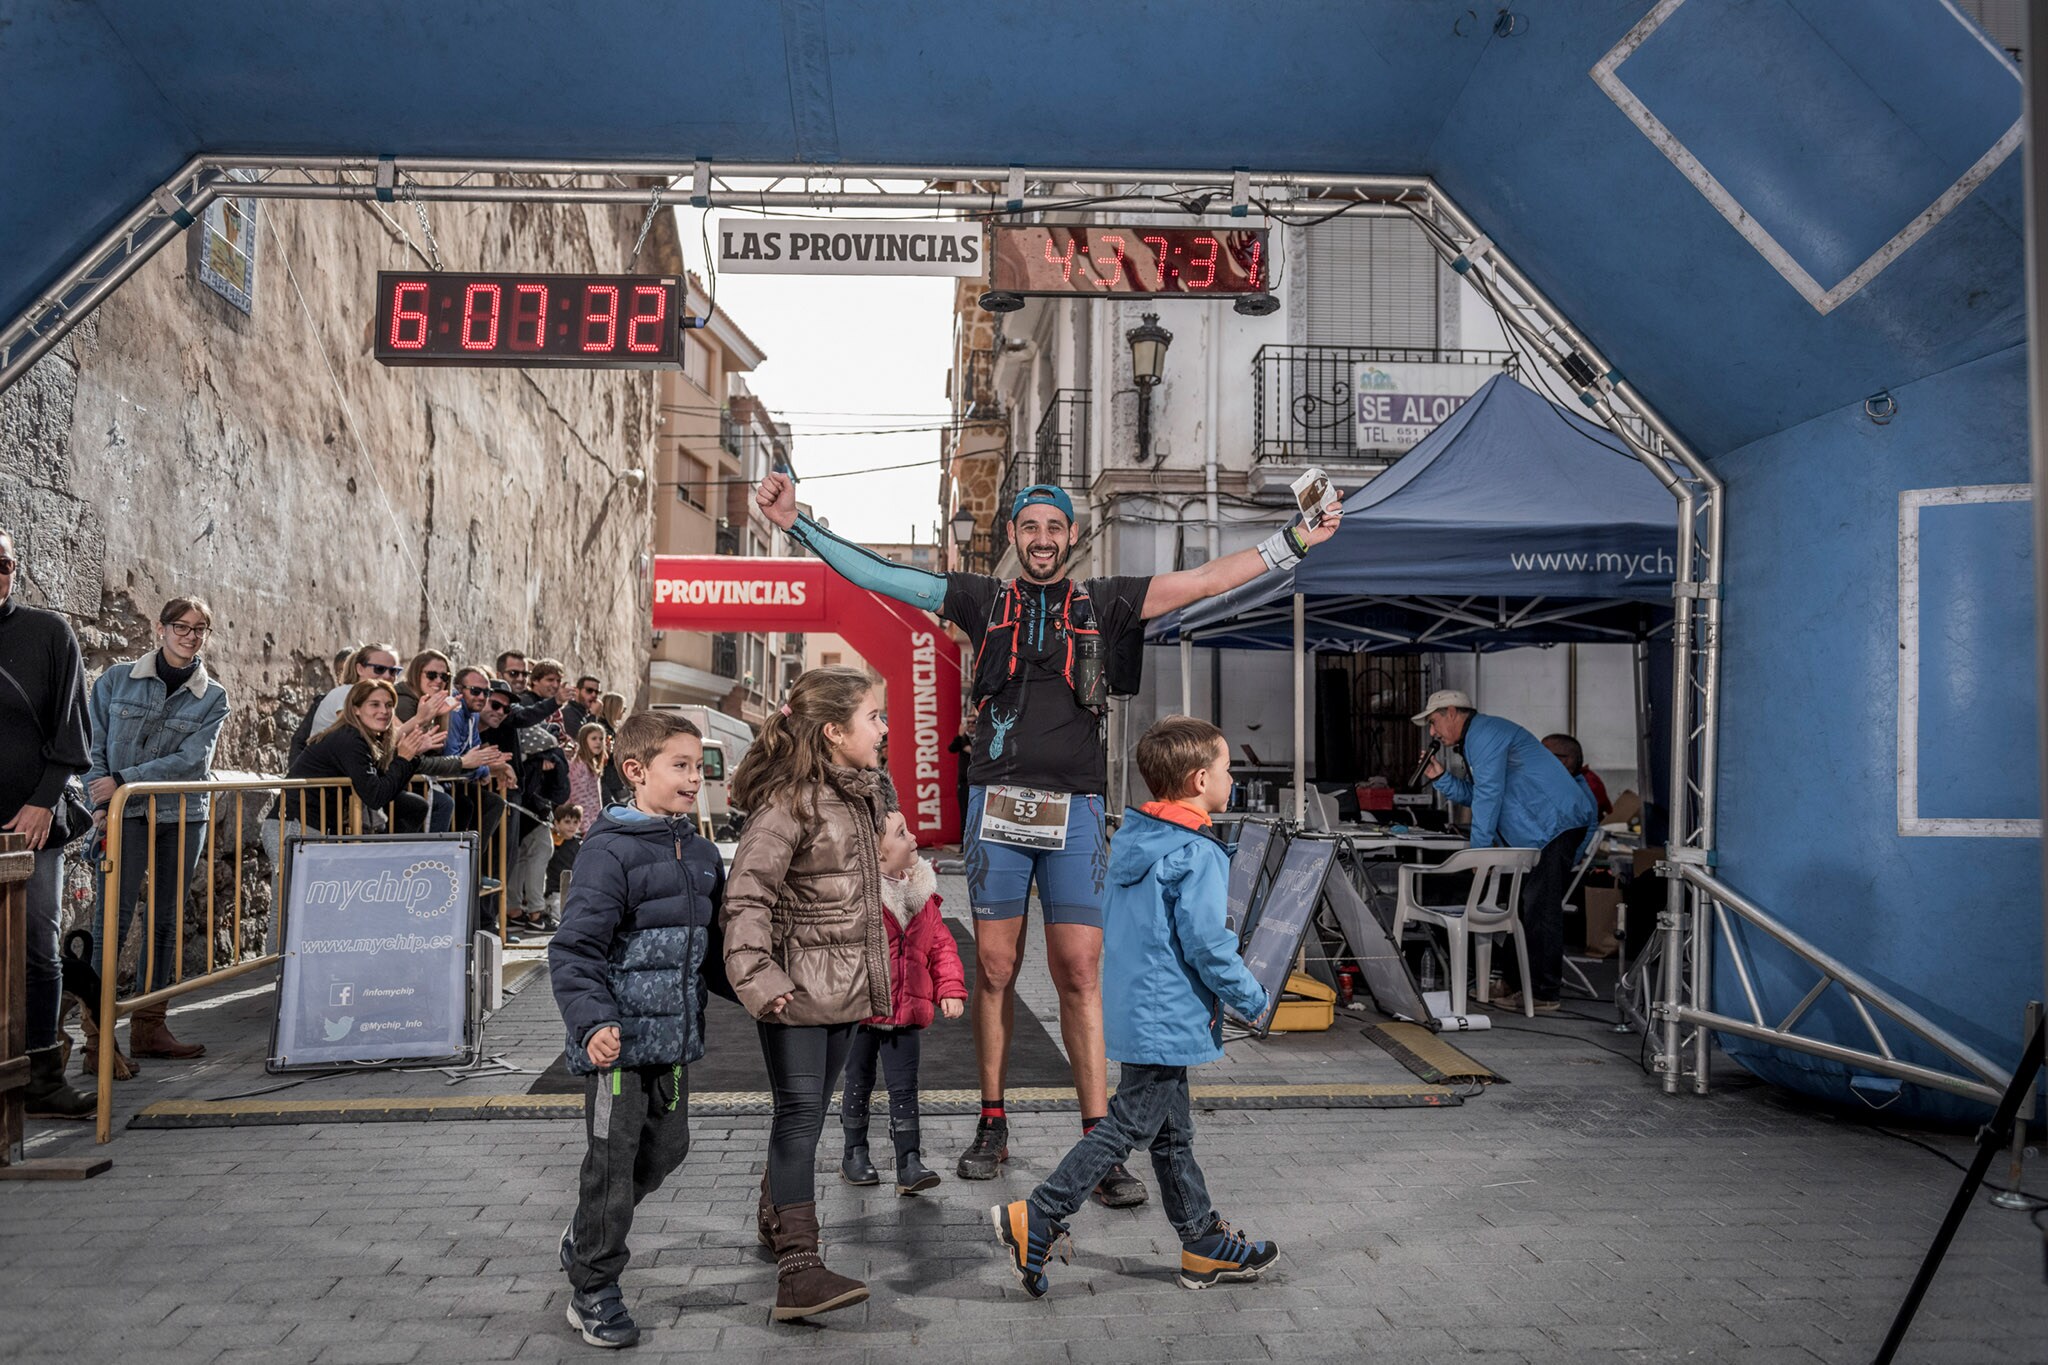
(1303, 404)
(728, 542)
(725, 656)
(1059, 453)
(974, 395)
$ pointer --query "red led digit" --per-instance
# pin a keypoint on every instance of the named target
(1209, 261)
(607, 314)
(529, 316)
(1253, 265)
(1118, 278)
(650, 340)
(1160, 242)
(1065, 263)
(480, 330)
(409, 325)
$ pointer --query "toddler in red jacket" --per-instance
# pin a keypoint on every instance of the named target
(925, 980)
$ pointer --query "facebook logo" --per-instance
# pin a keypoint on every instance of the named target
(341, 993)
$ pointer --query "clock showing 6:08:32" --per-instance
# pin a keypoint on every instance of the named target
(1127, 260)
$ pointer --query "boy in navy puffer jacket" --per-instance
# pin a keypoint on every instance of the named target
(637, 949)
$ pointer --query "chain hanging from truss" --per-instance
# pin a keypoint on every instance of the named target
(412, 197)
(646, 224)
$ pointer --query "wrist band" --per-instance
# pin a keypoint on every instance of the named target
(1277, 550)
(1298, 541)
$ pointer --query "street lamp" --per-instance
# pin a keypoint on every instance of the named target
(1148, 342)
(962, 527)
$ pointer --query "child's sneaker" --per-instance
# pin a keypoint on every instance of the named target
(602, 1317)
(1031, 1238)
(1221, 1254)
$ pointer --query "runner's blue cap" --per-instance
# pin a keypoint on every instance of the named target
(1045, 493)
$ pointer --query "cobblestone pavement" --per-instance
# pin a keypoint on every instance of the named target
(1575, 1214)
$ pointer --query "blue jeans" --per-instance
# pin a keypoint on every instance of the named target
(1069, 880)
(1149, 1109)
(172, 884)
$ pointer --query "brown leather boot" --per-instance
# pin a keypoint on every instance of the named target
(150, 1036)
(803, 1286)
(764, 1216)
(124, 1066)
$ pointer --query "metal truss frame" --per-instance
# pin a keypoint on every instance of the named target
(1678, 1016)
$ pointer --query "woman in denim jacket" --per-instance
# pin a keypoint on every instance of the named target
(156, 720)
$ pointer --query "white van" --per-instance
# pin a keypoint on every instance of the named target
(726, 741)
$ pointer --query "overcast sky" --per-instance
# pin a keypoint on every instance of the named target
(849, 354)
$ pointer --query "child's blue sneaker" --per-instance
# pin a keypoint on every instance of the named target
(602, 1318)
(1223, 1253)
(1032, 1238)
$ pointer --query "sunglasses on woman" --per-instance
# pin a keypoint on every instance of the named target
(433, 675)
(384, 670)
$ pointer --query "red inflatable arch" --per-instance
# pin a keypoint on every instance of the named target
(908, 647)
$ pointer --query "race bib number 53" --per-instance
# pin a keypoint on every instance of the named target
(1025, 818)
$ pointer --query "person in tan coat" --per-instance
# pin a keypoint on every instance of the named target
(806, 947)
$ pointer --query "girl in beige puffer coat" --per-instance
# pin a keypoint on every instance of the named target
(806, 946)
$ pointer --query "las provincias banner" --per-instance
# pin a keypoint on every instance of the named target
(918, 661)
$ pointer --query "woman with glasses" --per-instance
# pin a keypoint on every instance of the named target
(156, 720)
(427, 673)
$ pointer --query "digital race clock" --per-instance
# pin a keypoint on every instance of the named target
(430, 317)
(1128, 261)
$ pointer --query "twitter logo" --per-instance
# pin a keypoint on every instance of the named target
(337, 1029)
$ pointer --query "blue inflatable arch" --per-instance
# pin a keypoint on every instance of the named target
(1783, 238)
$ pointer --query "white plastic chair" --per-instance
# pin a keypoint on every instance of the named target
(1492, 907)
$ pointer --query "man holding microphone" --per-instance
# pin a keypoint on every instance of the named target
(1521, 797)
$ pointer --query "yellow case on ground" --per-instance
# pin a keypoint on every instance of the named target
(1306, 1006)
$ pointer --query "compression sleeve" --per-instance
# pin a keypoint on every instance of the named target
(864, 568)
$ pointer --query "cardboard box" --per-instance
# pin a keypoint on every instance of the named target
(1646, 860)
(1603, 910)
(1627, 807)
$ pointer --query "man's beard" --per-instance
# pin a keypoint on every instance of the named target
(1051, 575)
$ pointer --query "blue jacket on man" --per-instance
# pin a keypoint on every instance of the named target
(1520, 795)
(639, 939)
(1167, 952)
(145, 732)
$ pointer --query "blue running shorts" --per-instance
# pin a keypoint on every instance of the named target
(1070, 880)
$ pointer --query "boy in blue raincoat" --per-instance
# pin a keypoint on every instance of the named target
(1172, 957)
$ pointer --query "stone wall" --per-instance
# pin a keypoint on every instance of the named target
(264, 461)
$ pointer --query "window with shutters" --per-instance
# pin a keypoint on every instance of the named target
(1372, 282)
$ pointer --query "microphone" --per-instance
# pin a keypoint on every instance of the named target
(1423, 766)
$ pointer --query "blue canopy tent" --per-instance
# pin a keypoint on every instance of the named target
(1514, 522)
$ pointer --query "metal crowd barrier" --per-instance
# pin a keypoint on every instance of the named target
(335, 809)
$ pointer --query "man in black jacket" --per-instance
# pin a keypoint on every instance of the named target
(43, 745)
(542, 776)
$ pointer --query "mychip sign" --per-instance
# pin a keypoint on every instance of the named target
(376, 950)
(1396, 405)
